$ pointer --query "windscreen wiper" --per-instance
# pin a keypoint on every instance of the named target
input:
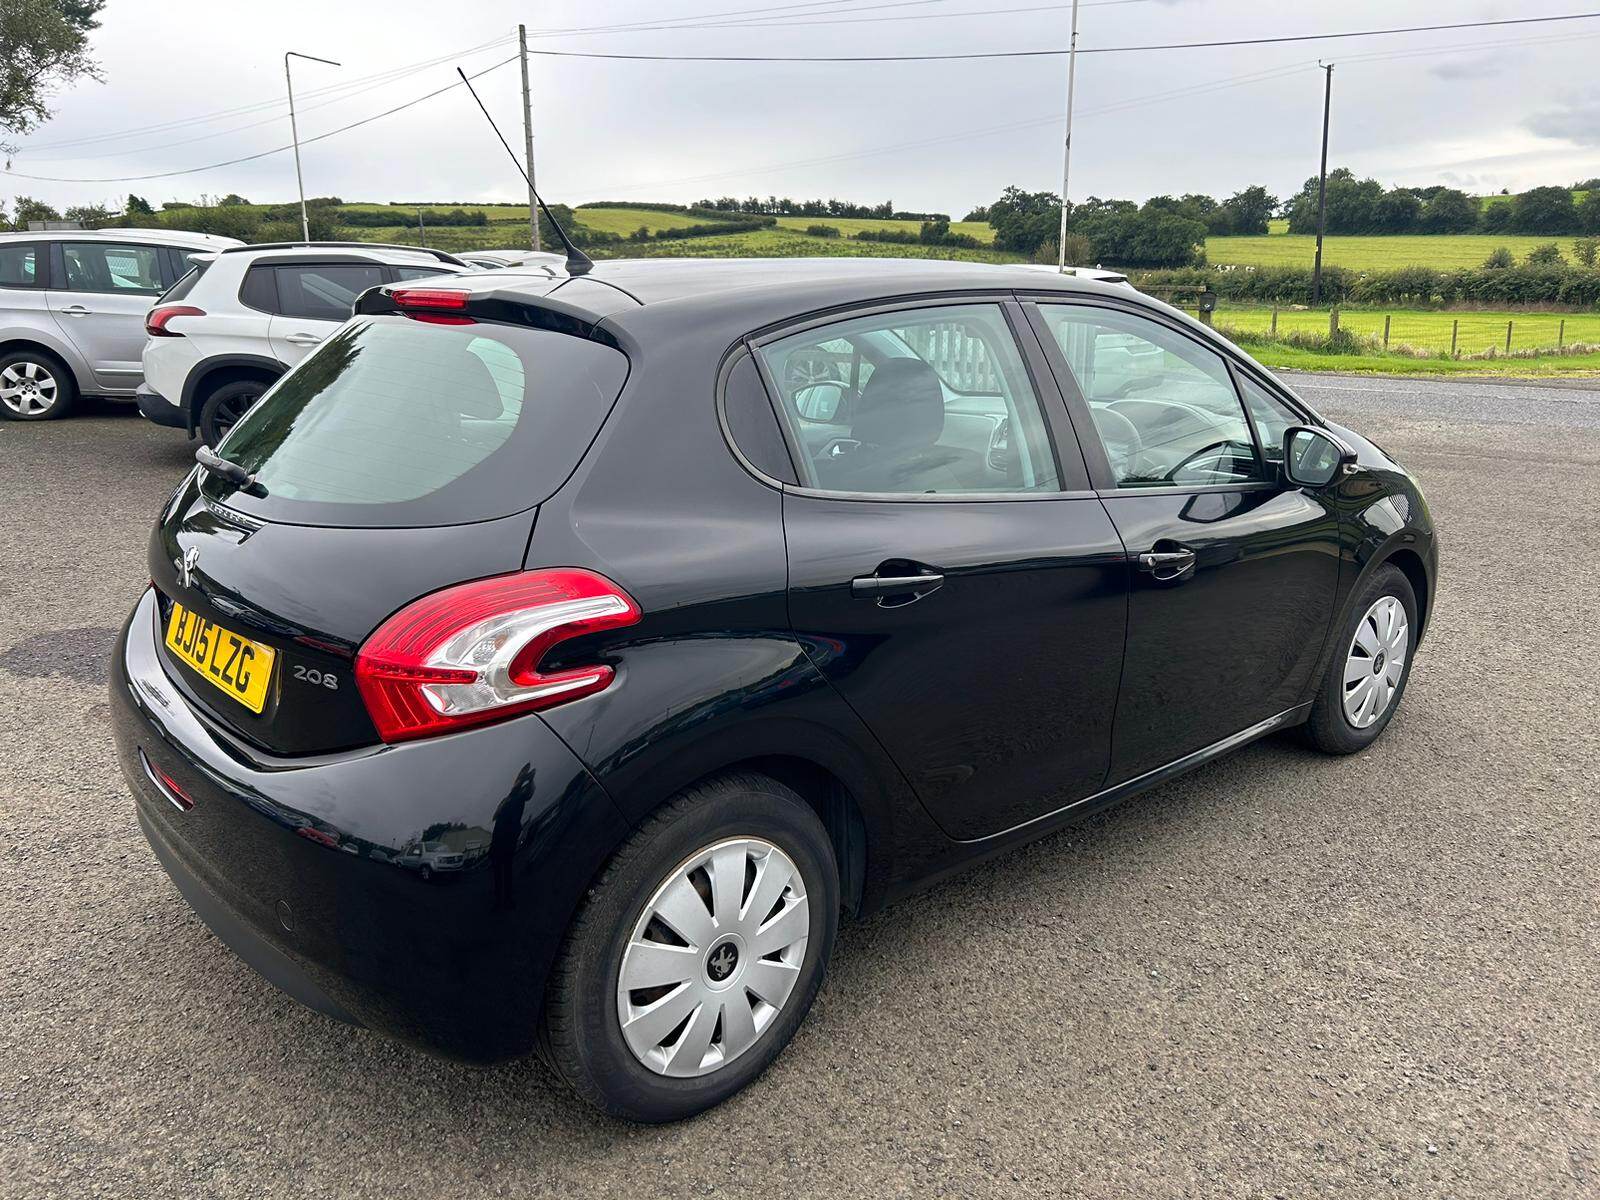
(231, 471)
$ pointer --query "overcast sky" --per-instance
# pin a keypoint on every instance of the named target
(1478, 109)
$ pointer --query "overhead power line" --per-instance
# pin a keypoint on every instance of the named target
(276, 149)
(1057, 52)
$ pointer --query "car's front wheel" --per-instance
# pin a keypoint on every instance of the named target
(1366, 676)
(697, 953)
(35, 387)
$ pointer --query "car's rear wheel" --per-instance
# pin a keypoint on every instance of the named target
(1367, 673)
(225, 405)
(697, 953)
(35, 387)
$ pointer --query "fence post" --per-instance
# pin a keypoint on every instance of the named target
(1274, 320)
(1333, 321)
(1386, 330)
(1455, 328)
(1508, 337)
(1561, 334)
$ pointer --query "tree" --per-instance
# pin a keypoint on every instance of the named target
(1396, 211)
(1545, 210)
(232, 198)
(1498, 217)
(1022, 221)
(1547, 255)
(29, 209)
(1450, 211)
(1589, 212)
(43, 45)
(138, 206)
(1586, 250)
(981, 213)
(90, 216)
(1249, 211)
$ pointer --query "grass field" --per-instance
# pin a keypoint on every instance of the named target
(1291, 358)
(849, 225)
(1422, 329)
(1376, 253)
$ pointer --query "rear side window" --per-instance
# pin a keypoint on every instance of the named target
(108, 267)
(324, 293)
(21, 265)
(397, 422)
(260, 290)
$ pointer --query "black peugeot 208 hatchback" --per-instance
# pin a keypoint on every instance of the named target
(549, 662)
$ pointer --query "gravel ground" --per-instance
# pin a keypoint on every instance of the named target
(1280, 976)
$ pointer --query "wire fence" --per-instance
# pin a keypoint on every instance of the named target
(1460, 334)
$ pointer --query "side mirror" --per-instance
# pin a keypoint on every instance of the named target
(1314, 458)
(820, 402)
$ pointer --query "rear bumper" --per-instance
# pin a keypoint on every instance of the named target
(157, 408)
(300, 864)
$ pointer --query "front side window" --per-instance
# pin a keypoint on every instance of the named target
(327, 292)
(1164, 407)
(923, 401)
(1271, 415)
(20, 265)
(108, 267)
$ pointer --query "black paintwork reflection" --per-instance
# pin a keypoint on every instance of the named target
(1236, 640)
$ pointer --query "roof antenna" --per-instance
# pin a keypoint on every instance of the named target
(578, 263)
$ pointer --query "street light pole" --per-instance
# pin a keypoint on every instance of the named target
(1322, 186)
(1066, 151)
(294, 133)
(527, 137)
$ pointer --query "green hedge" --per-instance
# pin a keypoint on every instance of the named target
(1420, 287)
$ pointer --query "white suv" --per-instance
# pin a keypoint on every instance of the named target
(72, 306)
(241, 318)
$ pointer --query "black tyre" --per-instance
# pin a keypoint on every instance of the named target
(1368, 667)
(225, 405)
(35, 386)
(697, 953)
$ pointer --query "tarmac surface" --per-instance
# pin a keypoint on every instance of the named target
(1282, 975)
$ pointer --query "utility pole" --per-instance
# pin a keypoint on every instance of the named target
(1322, 186)
(1066, 150)
(294, 133)
(527, 138)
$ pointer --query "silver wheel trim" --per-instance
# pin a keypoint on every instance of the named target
(1375, 661)
(677, 1016)
(28, 388)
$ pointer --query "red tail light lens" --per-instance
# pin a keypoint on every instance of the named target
(471, 654)
(155, 321)
(429, 298)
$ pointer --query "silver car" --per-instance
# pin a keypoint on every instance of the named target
(72, 307)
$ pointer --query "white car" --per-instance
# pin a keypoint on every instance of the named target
(227, 330)
(494, 260)
(72, 308)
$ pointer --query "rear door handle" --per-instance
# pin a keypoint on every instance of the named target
(77, 310)
(302, 339)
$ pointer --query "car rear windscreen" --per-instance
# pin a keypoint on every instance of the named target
(400, 422)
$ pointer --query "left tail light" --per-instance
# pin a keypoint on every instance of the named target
(472, 653)
(155, 321)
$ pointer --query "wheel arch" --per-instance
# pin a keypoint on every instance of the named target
(1410, 564)
(68, 358)
(212, 373)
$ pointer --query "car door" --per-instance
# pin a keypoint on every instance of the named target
(1234, 571)
(99, 295)
(313, 299)
(950, 573)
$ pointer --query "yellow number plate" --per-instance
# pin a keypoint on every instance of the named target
(235, 665)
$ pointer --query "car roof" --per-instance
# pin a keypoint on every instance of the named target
(396, 255)
(161, 237)
(721, 296)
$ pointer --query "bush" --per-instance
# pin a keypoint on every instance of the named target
(1585, 250)
(1079, 252)
(1500, 259)
(1547, 255)
(823, 231)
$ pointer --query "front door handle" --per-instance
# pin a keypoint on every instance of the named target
(77, 310)
(893, 589)
(302, 339)
(1168, 565)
